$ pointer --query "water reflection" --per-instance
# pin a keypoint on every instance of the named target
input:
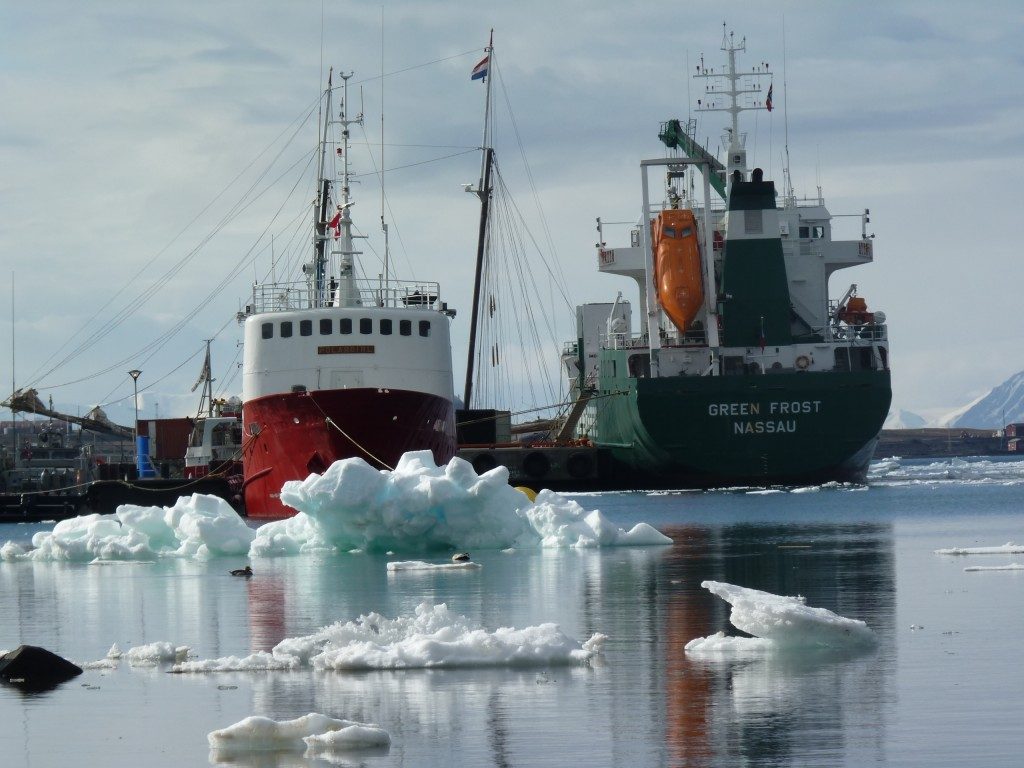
(646, 704)
(773, 708)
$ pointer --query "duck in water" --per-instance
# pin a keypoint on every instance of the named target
(247, 571)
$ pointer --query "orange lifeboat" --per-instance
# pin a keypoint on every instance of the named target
(677, 275)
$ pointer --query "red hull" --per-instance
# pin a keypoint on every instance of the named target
(294, 438)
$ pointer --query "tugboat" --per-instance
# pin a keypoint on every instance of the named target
(743, 371)
(335, 366)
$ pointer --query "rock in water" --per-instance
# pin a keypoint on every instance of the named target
(34, 668)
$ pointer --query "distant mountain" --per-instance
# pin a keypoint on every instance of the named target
(903, 420)
(1003, 405)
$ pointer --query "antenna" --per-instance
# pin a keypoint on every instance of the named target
(383, 224)
(785, 117)
(14, 418)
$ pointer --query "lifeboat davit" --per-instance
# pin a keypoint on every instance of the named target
(677, 265)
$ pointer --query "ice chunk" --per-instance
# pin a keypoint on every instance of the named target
(154, 653)
(419, 565)
(198, 526)
(260, 661)
(721, 642)
(352, 736)
(1010, 567)
(261, 734)
(1008, 548)
(434, 637)
(421, 507)
(780, 623)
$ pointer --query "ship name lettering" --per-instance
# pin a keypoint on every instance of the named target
(795, 407)
(763, 427)
(734, 409)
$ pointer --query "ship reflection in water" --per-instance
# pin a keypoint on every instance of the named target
(646, 698)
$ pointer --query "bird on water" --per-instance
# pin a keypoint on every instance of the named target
(247, 571)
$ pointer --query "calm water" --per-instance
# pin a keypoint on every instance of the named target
(945, 687)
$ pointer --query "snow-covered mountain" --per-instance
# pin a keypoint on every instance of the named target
(1003, 405)
(902, 419)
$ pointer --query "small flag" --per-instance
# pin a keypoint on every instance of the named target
(762, 340)
(335, 224)
(204, 375)
(480, 70)
(768, 101)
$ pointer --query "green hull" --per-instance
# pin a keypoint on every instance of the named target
(707, 431)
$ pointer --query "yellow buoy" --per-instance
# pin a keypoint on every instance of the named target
(530, 493)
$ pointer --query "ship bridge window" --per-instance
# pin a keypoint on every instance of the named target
(817, 232)
(345, 325)
(286, 329)
(385, 327)
(424, 327)
(405, 327)
(365, 325)
(305, 327)
(805, 233)
(325, 326)
(267, 330)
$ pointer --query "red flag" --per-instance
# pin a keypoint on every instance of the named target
(335, 224)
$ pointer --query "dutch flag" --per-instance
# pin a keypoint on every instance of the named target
(480, 70)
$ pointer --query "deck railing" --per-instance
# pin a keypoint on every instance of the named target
(393, 294)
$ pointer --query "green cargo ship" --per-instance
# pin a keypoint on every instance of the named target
(743, 371)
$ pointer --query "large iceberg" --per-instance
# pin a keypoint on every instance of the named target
(779, 623)
(417, 507)
(421, 507)
(434, 637)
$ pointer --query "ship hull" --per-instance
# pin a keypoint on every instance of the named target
(785, 428)
(293, 437)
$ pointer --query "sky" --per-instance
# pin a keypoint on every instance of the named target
(148, 152)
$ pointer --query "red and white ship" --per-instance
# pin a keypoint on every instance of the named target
(336, 366)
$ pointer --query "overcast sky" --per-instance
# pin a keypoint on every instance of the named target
(131, 130)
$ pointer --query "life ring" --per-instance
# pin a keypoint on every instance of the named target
(802, 362)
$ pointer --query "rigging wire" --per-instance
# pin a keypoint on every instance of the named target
(140, 300)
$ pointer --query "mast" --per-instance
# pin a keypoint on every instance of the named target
(347, 295)
(483, 191)
(729, 84)
(320, 220)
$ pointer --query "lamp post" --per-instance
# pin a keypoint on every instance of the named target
(135, 373)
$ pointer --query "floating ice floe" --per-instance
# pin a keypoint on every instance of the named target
(1010, 567)
(779, 623)
(197, 526)
(963, 471)
(419, 565)
(319, 732)
(433, 638)
(1008, 548)
(421, 507)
